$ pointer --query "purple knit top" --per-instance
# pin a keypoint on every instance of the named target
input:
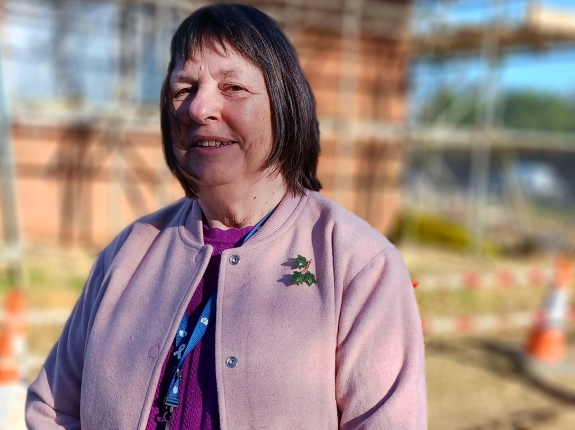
(198, 408)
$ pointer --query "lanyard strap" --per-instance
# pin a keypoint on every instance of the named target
(173, 398)
(258, 225)
(185, 342)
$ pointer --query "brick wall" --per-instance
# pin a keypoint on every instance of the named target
(81, 185)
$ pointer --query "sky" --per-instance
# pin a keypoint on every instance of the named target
(552, 70)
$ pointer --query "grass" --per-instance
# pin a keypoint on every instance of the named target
(54, 278)
(40, 278)
(466, 302)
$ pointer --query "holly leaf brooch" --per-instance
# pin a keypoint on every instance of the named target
(303, 275)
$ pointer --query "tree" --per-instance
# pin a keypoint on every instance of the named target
(523, 109)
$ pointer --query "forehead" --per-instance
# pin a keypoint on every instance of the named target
(220, 61)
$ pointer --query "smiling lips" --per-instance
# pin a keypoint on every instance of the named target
(214, 143)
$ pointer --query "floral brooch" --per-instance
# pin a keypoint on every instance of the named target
(302, 275)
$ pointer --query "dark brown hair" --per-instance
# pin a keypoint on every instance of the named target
(259, 40)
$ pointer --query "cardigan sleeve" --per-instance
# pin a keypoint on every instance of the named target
(380, 375)
(53, 399)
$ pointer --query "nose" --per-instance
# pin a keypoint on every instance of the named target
(205, 105)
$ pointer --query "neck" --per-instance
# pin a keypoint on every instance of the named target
(233, 206)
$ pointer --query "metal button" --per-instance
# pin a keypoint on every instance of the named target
(231, 362)
(234, 259)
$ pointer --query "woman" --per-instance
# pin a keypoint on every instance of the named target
(299, 315)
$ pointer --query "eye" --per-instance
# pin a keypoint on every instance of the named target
(182, 92)
(234, 88)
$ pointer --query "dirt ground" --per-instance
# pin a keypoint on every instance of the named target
(478, 383)
(475, 382)
(483, 383)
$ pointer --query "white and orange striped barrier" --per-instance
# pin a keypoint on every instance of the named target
(507, 278)
(35, 317)
(487, 322)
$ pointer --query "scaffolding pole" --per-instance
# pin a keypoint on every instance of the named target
(350, 36)
(11, 228)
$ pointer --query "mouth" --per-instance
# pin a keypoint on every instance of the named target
(212, 143)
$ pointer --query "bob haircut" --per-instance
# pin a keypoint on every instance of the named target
(259, 40)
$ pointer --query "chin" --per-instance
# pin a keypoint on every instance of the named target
(209, 181)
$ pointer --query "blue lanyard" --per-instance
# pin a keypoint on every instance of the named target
(185, 342)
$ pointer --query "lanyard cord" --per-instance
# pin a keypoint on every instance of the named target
(184, 344)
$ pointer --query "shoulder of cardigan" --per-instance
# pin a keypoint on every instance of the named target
(191, 230)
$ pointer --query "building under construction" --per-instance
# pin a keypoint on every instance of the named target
(79, 86)
(84, 126)
(488, 35)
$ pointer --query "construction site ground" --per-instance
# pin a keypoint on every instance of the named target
(476, 381)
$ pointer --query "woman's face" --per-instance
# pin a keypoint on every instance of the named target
(223, 102)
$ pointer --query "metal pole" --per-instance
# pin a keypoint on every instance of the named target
(163, 27)
(11, 228)
(481, 154)
(344, 154)
(438, 17)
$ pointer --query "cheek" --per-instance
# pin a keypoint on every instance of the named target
(259, 119)
(267, 131)
(182, 107)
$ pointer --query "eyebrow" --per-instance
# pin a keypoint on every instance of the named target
(184, 77)
(229, 73)
(180, 77)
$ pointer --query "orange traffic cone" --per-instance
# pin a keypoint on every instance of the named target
(547, 340)
(12, 338)
(9, 370)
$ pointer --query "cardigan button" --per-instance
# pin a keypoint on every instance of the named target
(234, 259)
(231, 362)
(153, 351)
(199, 258)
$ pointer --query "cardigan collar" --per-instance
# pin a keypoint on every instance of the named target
(191, 225)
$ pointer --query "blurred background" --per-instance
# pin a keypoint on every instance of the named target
(448, 125)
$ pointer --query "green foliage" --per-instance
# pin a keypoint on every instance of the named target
(531, 110)
(522, 109)
(41, 278)
(76, 283)
(38, 277)
(4, 282)
(436, 230)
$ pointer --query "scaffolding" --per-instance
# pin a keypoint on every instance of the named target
(505, 28)
(109, 134)
(356, 55)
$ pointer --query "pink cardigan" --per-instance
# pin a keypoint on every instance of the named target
(346, 353)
